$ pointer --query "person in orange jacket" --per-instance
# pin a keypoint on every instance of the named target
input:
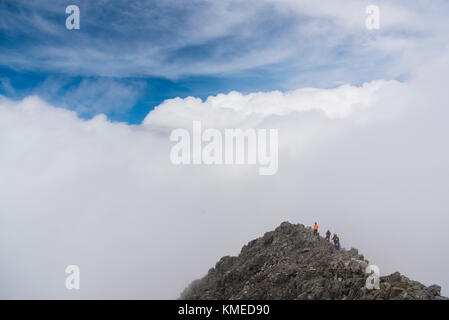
(315, 229)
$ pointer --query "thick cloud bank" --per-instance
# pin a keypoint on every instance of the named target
(368, 162)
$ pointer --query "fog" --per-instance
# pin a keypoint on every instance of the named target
(370, 164)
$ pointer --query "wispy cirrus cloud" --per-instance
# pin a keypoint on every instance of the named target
(91, 96)
(176, 39)
(227, 45)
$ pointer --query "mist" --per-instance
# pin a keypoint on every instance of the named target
(369, 164)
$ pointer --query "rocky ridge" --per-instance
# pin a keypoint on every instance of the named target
(293, 263)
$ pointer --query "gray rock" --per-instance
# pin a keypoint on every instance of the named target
(396, 292)
(435, 289)
(292, 263)
(357, 266)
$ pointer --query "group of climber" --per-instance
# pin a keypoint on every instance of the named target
(335, 238)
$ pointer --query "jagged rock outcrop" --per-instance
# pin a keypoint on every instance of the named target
(292, 263)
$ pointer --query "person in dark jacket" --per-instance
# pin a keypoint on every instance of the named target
(336, 240)
(328, 235)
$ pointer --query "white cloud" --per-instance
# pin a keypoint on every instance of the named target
(368, 162)
(226, 110)
(351, 14)
(225, 37)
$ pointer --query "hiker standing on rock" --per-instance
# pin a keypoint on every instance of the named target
(336, 240)
(328, 235)
(315, 229)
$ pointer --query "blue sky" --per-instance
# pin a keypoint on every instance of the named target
(146, 92)
(129, 56)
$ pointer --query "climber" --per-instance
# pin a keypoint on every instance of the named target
(336, 240)
(328, 235)
(337, 244)
(315, 229)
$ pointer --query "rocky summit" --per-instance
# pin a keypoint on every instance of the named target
(293, 263)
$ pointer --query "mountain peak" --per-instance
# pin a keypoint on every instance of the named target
(292, 262)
